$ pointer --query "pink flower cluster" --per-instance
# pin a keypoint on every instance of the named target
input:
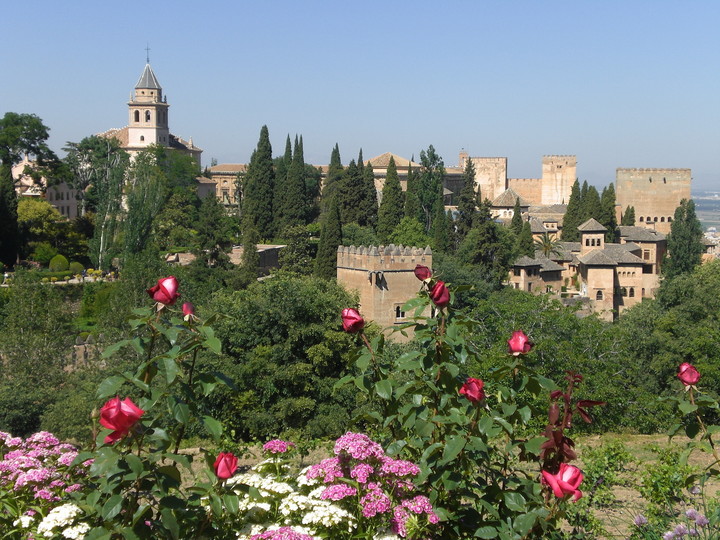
(38, 466)
(277, 446)
(383, 484)
(283, 533)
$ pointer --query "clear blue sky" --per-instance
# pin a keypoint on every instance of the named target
(617, 83)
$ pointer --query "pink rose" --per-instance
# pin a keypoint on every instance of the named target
(165, 291)
(688, 375)
(519, 343)
(352, 321)
(119, 416)
(473, 390)
(439, 294)
(565, 482)
(225, 465)
(422, 272)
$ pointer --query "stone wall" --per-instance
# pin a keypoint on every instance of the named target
(558, 175)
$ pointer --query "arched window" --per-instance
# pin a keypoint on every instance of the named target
(642, 219)
(662, 219)
(599, 295)
(147, 116)
(669, 219)
(632, 292)
(649, 219)
(142, 137)
(643, 292)
(137, 116)
(623, 291)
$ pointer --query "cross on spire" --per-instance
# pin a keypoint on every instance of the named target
(147, 53)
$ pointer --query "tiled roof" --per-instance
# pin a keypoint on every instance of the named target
(507, 199)
(592, 225)
(549, 266)
(597, 257)
(633, 233)
(148, 79)
(536, 226)
(526, 261)
(226, 168)
(121, 134)
(620, 255)
(382, 161)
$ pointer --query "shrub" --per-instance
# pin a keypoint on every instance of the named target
(76, 268)
(43, 253)
(59, 263)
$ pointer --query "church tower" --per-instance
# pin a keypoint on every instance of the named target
(148, 111)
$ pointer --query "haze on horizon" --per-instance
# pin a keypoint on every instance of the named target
(617, 83)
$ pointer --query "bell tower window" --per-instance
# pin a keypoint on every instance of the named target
(147, 116)
(142, 138)
(137, 116)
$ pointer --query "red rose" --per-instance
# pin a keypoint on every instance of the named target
(519, 343)
(225, 465)
(120, 416)
(439, 294)
(188, 309)
(565, 482)
(422, 272)
(165, 291)
(352, 321)
(473, 390)
(688, 374)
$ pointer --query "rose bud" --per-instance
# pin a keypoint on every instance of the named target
(473, 390)
(225, 465)
(565, 482)
(519, 343)
(352, 321)
(119, 416)
(188, 311)
(423, 273)
(688, 375)
(165, 292)
(439, 294)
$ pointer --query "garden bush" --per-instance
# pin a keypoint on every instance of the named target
(58, 263)
(76, 268)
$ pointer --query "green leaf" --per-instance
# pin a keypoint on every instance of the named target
(181, 412)
(170, 522)
(213, 426)
(486, 532)
(110, 386)
(342, 382)
(112, 507)
(363, 362)
(171, 472)
(453, 447)
(171, 369)
(686, 407)
(533, 445)
(214, 344)
(363, 383)
(135, 464)
(384, 388)
(232, 503)
(115, 347)
(524, 523)
(692, 429)
(515, 501)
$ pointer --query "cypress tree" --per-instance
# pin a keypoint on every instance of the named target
(294, 200)
(333, 179)
(628, 218)
(258, 188)
(685, 246)
(607, 213)
(431, 181)
(369, 215)
(282, 165)
(330, 239)
(441, 234)
(250, 269)
(9, 233)
(412, 202)
(572, 218)
(391, 206)
(351, 194)
(583, 198)
(524, 244)
(517, 222)
(591, 205)
(466, 204)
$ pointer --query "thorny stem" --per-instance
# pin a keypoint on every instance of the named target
(181, 434)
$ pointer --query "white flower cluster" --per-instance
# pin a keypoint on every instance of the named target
(60, 517)
(303, 480)
(386, 535)
(76, 532)
(266, 484)
(327, 514)
(23, 521)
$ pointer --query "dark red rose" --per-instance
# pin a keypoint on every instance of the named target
(519, 343)
(688, 374)
(422, 272)
(165, 291)
(225, 465)
(120, 416)
(352, 321)
(439, 294)
(473, 390)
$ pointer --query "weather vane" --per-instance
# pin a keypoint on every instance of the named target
(147, 53)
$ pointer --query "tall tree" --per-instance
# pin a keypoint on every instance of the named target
(432, 173)
(333, 178)
(351, 194)
(412, 201)
(213, 233)
(591, 205)
(20, 135)
(282, 166)
(628, 218)
(516, 224)
(330, 239)
(391, 205)
(467, 204)
(258, 188)
(607, 213)
(548, 245)
(524, 244)
(250, 268)
(295, 199)
(441, 228)
(370, 211)
(487, 247)
(685, 246)
(572, 219)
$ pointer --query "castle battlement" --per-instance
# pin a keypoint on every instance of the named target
(382, 258)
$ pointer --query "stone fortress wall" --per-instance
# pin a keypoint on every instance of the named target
(654, 193)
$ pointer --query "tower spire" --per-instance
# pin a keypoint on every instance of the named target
(147, 53)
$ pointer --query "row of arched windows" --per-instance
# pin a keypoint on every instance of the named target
(162, 115)
(593, 242)
(655, 219)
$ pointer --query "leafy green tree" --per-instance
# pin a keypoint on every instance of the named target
(628, 218)
(573, 215)
(441, 228)
(294, 205)
(391, 206)
(488, 246)
(684, 242)
(333, 179)
(355, 235)
(410, 232)
(432, 173)
(20, 134)
(607, 214)
(412, 201)
(213, 238)
(524, 244)
(258, 187)
(173, 226)
(548, 245)
(39, 221)
(180, 169)
(297, 255)
(467, 203)
(351, 192)
(330, 239)
(250, 268)
(282, 166)
(516, 225)
(591, 204)
(370, 199)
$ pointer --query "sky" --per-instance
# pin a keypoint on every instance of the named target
(615, 83)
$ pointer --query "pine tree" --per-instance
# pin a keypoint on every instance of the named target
(431, 181)
(412, 202)
(333, 178)
(628, 218)
(391, 206)
(466, 203)
(294, 199)
(330, 239)
(486, 247)
(607, 213)
(516, 225)
(351, 194)
(685, 246)
(572, 218)
(259, 186)
(524, 244)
